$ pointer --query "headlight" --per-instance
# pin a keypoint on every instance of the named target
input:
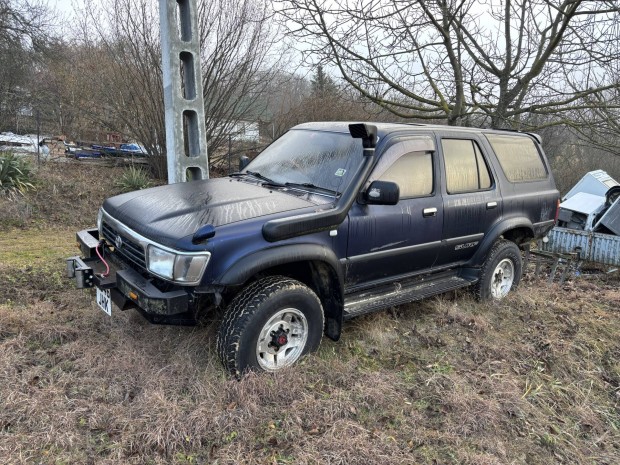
(183, 268)
(161, 262)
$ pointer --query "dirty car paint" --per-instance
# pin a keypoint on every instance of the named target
(167, 213)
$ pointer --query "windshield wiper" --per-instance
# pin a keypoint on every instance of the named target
(257, 175)
(267, 181)
(308, 185)
(270, 182)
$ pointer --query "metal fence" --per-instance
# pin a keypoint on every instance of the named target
(591, 246)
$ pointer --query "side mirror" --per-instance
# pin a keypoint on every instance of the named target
(382, 193)
(243, 162)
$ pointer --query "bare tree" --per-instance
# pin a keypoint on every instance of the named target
(236, 43)
(287, 94)
(240, 58)
(23, 31)
(599, 124)
(294, 99)
(510, 63)
(22, 20)
(121, 42)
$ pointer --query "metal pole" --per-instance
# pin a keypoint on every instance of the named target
(229, 152)
(186, 143)
(38, 137)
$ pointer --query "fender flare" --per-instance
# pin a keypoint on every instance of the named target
(249, 265)
(496, 231)
(331, 295)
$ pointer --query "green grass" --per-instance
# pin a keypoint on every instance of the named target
(35, 247)
(133, 178)
(15, 175)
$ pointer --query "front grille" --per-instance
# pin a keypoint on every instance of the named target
(130, 250)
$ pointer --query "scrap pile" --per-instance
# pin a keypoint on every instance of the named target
(589, 220)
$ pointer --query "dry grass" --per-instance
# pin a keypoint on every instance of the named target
(532, 380)
(66, 194)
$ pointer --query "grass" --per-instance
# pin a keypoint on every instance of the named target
(132, 179)
(534, 379)
(15, 175)
(66, 196)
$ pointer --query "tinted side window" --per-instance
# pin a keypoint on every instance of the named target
(518, 157)
(466, 170)
(413, 172)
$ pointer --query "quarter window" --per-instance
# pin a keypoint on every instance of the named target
(466, 170)
(413, 172)
(518, 157)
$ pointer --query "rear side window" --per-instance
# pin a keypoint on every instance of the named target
(466, 170)
(518, 157)
(413, 172)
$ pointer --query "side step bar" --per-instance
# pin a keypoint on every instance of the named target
(398, 293)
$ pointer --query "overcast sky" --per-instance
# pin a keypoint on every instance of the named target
(64, 6)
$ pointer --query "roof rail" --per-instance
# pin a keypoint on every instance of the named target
(531, 134)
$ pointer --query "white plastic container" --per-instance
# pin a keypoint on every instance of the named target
(579, 212)
(595, 182)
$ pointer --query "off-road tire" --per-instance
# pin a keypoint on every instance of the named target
(501, 250)
(250, 311)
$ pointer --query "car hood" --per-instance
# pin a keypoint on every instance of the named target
(168, 213)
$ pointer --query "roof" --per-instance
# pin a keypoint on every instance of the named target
(384, 129)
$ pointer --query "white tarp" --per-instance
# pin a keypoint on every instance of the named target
(25, 143)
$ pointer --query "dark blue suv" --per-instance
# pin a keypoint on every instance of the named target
(331, 221)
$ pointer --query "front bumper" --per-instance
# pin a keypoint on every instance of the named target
(128, 288)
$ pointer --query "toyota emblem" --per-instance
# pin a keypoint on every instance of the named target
(118, 242)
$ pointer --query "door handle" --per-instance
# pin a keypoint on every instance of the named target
(427, 212)
(491, 205)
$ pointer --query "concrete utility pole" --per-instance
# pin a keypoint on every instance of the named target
(186, 143)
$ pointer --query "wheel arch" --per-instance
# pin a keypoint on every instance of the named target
(517, 230)
(312, 264)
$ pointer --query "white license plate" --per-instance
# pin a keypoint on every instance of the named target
(104, 300)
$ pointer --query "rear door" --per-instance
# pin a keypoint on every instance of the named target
(472, 202)
(390, 242)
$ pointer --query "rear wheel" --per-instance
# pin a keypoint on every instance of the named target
(501, 271)
(270, 325)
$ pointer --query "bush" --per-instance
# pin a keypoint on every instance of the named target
(133, 179)
(15, 175)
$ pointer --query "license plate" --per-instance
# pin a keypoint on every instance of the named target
(104, 300)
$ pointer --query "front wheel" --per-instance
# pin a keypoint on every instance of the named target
(501, 271)
(270, 325)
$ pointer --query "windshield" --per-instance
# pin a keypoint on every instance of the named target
(323, 159)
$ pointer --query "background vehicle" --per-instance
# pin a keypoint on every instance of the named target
(133, 149)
